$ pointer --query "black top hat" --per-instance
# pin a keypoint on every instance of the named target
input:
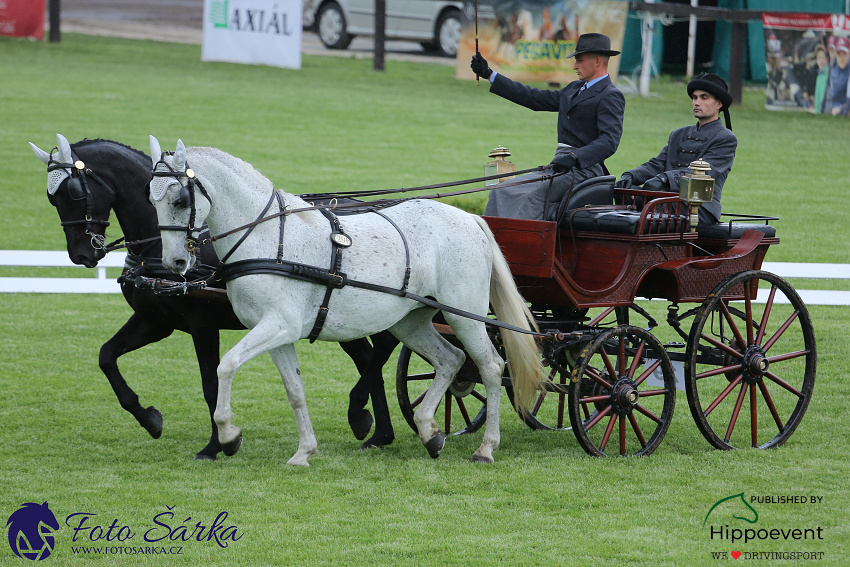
(593, 43)
(716, 87)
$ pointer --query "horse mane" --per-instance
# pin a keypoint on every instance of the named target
(85, 142)
(235, 163)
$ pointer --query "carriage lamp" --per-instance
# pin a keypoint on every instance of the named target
(696, 188)
(498, 165)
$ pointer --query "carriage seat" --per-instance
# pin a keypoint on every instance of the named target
(732, 230)
(593, 191)
(619, 221)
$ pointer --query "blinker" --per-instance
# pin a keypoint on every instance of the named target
(75, 188)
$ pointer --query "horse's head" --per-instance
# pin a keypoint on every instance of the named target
(31, 530)
(182, 204)
(82, 199)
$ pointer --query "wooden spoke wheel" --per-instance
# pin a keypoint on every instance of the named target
(549, 410)
(464, 407)
(750, 364)
(622, 393)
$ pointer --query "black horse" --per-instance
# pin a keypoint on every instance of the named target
(88, 179)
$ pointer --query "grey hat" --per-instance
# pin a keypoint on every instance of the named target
(593, 43)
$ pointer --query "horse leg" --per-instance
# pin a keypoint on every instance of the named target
(269, 333)
(417, 332)
(480, 349)
(286, 361)
(136, 333)
(207, 343)
(359, 418)
(383, 345)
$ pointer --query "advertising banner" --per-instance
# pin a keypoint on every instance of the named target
(263, 32)
(807, 58)
(529, 40)
(22, 18)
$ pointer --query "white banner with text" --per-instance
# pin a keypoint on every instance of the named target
(262, 32)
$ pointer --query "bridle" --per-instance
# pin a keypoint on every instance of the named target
(187, 193)
(77, 175)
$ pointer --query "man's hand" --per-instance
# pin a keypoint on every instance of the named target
(657, 183)
(563, 163)
(480, 67)
(624, 182)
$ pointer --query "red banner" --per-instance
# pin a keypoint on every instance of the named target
(22, 18)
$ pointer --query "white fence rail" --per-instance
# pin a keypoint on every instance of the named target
(101, 284)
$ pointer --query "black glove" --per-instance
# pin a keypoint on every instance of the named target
(624, 182)
(480, 67)
(564, 162)
(657, 183)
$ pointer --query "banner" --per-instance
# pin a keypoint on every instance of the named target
(529, 40)
(807, 58)
(264, 32)
(22, 18)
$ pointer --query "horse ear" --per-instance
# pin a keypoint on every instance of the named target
(40, 154)
(179, 162)
(64, 149)
(156, 151)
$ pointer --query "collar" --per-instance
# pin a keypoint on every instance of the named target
(596, 80)
(708, 124)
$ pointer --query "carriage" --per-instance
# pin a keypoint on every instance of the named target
(609, 365)
(610, 379)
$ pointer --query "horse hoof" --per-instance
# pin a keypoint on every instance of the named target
(481, 459)
(231, 447)
(378, 442)
(153, 422)
(204, 457)
(435, 445)
(360, 423)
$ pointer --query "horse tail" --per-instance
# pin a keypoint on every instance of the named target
(523, 357)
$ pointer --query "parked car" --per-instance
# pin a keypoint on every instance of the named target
(434, 23)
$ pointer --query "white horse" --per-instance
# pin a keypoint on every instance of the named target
(453, 259)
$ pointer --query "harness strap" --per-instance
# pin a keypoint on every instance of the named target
(313, 274)
(336, 266)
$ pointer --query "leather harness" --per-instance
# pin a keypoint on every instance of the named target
(333, 278)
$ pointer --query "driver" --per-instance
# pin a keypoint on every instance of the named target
(707, 140)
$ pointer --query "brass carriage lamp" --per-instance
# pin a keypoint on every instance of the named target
(498, 166)
(696, 188)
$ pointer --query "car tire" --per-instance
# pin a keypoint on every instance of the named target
(332, 28)
(447, 33)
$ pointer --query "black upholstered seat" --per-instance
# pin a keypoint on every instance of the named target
(594, 191)
(733, 230)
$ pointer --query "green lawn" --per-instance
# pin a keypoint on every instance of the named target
(336, 124)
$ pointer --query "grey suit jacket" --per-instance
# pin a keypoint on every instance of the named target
(712, 143)
(591, 122)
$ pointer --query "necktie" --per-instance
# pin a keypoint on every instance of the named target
(581, 90)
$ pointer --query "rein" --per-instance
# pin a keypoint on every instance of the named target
(333, 205)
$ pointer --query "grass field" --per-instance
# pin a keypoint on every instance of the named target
(337, 125)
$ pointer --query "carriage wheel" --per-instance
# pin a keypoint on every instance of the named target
(622, 393)
(464, 405)
(766, 350)
(549, 408)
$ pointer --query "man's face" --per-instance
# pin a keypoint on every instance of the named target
(842, 58)
(586, 65)
(706, 107)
